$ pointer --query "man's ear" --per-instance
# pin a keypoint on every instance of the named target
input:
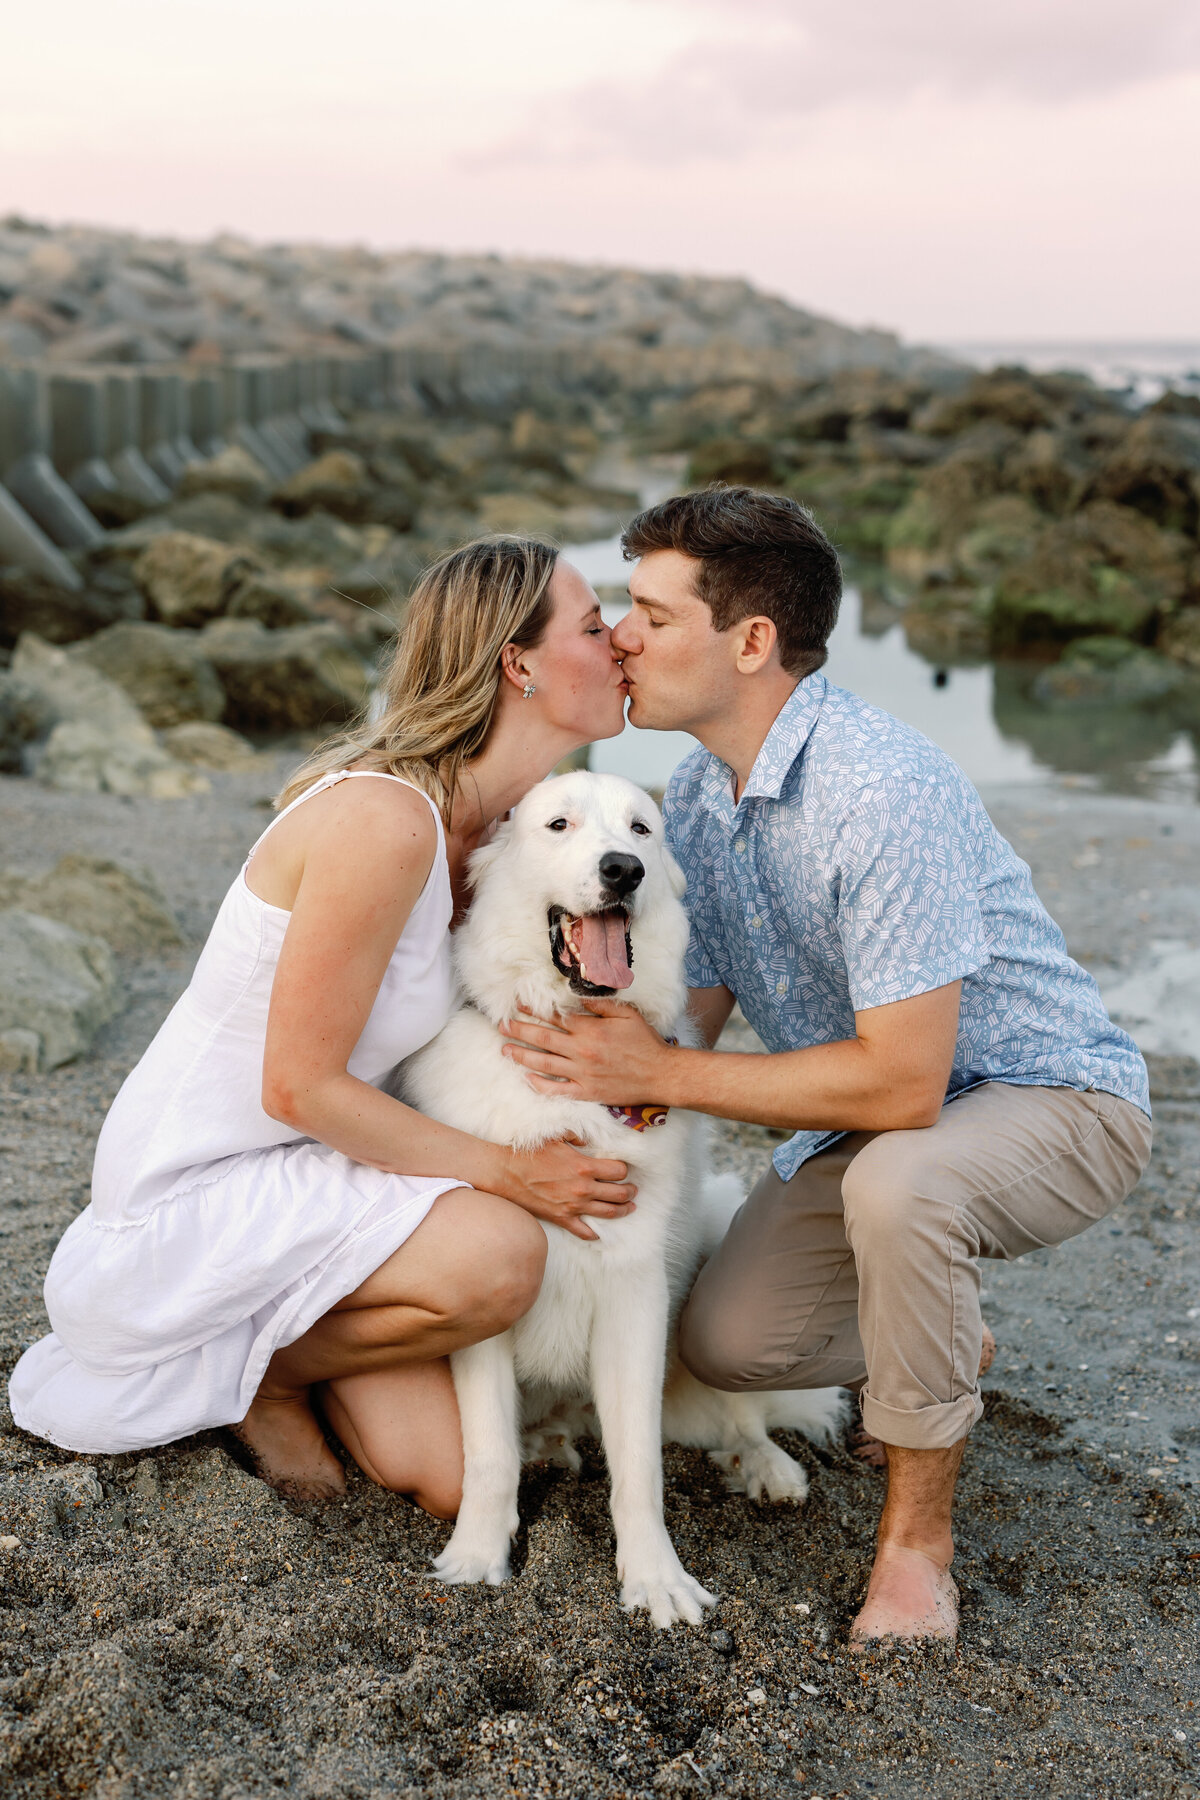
(759, 639)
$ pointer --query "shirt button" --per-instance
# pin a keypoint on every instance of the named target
(756, 921)
(781, 987)
(739, 844)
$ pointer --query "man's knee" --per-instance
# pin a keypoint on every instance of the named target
(716, 1346)
(886, 1190)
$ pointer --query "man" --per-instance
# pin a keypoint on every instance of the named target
(956, 1084)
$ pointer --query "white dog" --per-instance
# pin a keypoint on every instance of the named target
(576, 895)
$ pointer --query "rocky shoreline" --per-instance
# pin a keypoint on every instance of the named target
(170, 1627)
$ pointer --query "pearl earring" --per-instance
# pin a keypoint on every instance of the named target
(528, 691)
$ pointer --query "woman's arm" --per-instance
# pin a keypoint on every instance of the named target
(364, 861)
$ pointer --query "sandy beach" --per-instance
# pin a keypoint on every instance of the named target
(171, 1627)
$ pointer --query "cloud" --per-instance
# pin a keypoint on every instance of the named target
(763, 64)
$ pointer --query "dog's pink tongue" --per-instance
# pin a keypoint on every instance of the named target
(602, 949)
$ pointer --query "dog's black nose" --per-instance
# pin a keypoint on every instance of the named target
(620, 872)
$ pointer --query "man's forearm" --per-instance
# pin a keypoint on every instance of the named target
(825, 1087)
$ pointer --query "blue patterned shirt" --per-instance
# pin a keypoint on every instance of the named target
(858, 868)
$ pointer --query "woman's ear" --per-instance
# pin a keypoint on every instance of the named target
(513, 665)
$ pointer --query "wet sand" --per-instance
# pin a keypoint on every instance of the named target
(170, 1627)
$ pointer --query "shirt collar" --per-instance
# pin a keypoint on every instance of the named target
(781, 746)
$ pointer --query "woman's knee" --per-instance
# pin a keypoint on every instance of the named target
(500, 1280)
(441, 1501)
(436, 1490)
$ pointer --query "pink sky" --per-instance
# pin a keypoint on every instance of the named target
(1021, 169)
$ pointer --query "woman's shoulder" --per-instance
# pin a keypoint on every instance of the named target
(383, 814)
(376, 834)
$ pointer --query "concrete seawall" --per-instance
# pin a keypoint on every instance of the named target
(84, 449)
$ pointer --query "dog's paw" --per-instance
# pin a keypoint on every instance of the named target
(552, 1441)
(669, 1595)
(461, 1563)
(764, 1472)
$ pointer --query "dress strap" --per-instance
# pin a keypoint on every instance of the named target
(331, 779)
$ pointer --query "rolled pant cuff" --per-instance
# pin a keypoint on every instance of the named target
(928, 1428)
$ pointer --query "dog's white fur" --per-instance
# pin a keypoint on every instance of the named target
(601, 1332)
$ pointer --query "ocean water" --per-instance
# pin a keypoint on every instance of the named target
(1141, 369)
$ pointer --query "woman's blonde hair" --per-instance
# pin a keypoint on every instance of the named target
(442, 680)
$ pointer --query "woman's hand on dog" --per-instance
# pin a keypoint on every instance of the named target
(608, 1053)
(562, 1184)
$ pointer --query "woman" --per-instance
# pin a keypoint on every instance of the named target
(266, 1223)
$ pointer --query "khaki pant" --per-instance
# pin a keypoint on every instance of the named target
(862, 1268)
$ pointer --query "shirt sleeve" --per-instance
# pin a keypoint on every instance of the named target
(908, 908)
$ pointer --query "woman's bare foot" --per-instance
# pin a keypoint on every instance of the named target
(987, 1351)
(289, 1447)
(909, 1596)
(868, 1449)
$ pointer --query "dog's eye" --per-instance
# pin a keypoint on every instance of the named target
(641, 827)
(557, 825)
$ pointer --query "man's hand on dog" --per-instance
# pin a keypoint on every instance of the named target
(608, 1054)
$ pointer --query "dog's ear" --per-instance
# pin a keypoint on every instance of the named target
(675, 875)
(483, 858)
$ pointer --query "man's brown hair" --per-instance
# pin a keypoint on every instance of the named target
(760, 555)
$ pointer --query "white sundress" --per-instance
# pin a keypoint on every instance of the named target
(216, 1235)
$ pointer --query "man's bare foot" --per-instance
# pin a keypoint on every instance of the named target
(870, 1450)
(289, 1447)
(909, 1596)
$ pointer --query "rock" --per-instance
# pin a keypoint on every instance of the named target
(856, 506)
(57, 983)
(187, 579)
(943, 508)
(216, 516)
(233, 472)
(1108, 671)
(82, 758)
(1050, 468)
(1006, 396)
(1180, 637)
(1104, 571)
(1002, 531)
(100, 743)
(74, 691)
(337, 482)
(61, 616)
(299, 679)
(738, 461)
(1155, 468)
(25, 715)
(209, 746)
(99, 898)
(525, 515)
(275, 600)
(19, 1053)
(164, 671)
